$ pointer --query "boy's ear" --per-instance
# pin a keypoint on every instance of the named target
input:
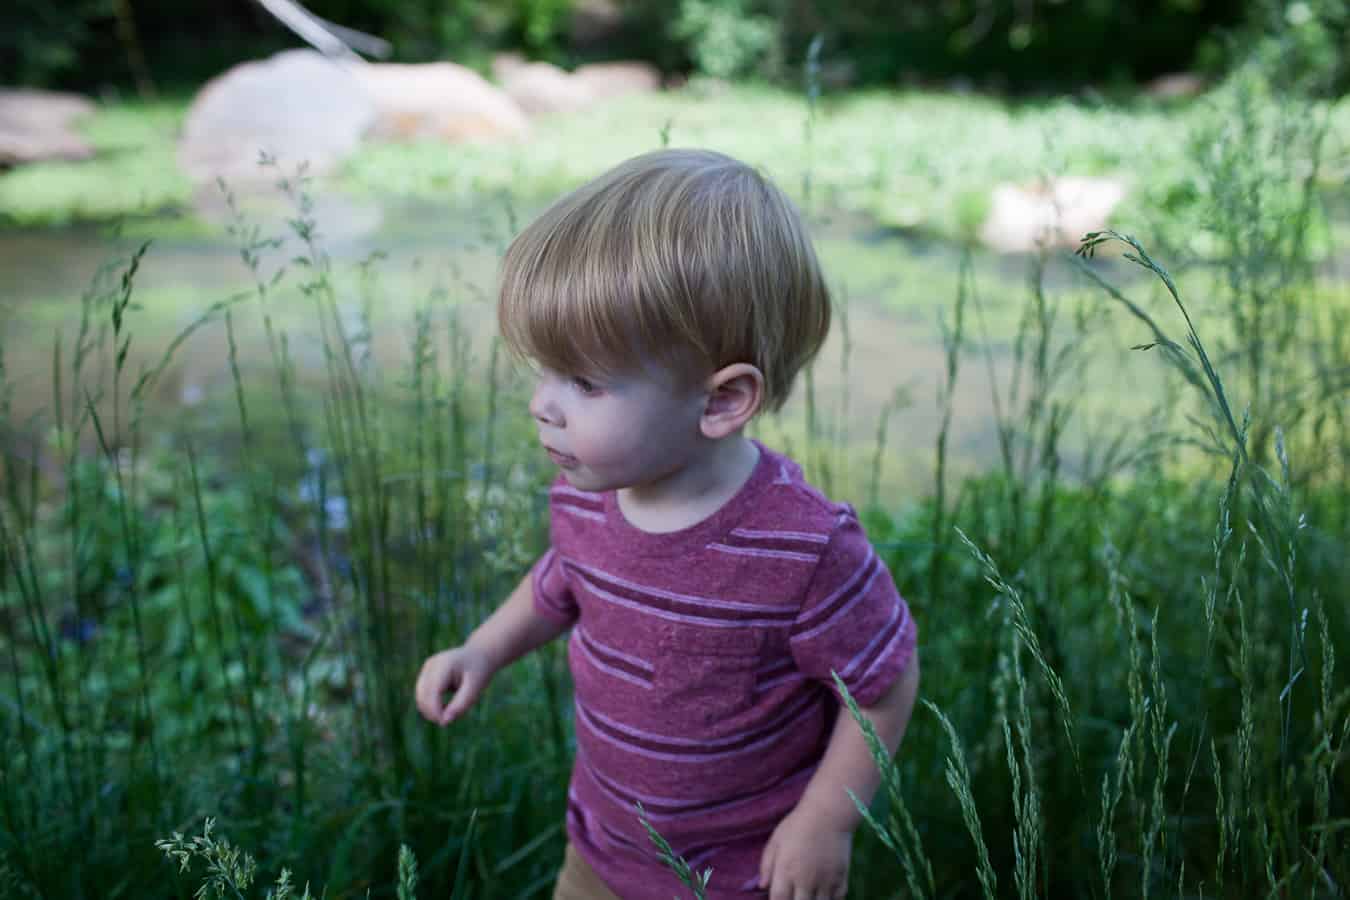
(735, 393)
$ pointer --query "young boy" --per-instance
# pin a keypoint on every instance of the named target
(710, 591)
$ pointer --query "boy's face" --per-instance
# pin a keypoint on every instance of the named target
(609, 432)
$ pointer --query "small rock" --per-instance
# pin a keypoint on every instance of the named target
(614, 79)
(1175, 86)
(1053, 213)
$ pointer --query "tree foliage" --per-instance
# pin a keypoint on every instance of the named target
(1009, 44)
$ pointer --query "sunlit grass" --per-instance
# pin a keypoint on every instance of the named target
(912, 159)
(134, 172)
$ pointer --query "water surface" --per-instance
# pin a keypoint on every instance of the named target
(893, 289)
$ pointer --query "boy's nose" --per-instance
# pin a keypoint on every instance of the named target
(543, 407)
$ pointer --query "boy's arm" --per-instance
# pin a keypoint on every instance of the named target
(808, 853)
(515, 628)
(848, 761)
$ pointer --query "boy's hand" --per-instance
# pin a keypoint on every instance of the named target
(805, 860)
(464, 670)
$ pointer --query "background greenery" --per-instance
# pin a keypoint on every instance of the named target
(1134, 615)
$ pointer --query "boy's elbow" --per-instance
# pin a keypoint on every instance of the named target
(895, 706)
(906, 688)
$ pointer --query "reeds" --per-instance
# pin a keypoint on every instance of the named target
(697, 882)
(181, 624)
(1265, 829)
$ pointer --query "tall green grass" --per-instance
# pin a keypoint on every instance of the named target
(234, 628)
(1220, 664)
(1130, 688)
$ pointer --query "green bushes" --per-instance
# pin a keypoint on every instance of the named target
(1002, 43)
(724, 40)
(179, 623)
(997, 43)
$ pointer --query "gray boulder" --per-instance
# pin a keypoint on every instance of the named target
(297, 106)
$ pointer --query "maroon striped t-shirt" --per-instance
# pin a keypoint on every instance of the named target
(701, 660)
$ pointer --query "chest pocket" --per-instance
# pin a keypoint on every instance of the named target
(706, 676)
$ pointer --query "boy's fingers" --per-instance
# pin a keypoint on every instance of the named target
(425, 704)
(469, 688)
(427, 693)
(434, 681)
(766, 864)
(780, 887)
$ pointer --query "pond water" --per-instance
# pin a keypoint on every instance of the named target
(893, 290)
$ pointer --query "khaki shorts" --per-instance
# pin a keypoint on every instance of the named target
(578, 881)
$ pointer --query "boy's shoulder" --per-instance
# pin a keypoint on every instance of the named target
(789, 500)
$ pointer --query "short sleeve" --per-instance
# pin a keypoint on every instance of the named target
(552, 596)
(853, 620)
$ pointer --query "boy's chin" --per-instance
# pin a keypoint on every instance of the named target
(592, 482)
(583, 480)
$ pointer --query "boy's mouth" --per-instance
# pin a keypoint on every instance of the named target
(562, 460)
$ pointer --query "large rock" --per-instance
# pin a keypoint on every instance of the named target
(442, 100)
(541, 88)
(297, 106)
(39, 125)
(1056, 212)
(302, 106)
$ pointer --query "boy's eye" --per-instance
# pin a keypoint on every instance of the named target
(584, 385)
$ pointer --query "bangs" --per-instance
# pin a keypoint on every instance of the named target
(579, 295)
(557, 316)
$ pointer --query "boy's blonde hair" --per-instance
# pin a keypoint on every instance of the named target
(685, 256)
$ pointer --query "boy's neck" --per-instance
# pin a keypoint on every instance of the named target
(693, 492)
